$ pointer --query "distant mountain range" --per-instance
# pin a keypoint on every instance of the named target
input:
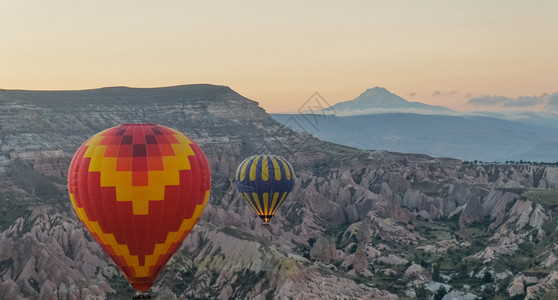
(379, 100)
(378, 119)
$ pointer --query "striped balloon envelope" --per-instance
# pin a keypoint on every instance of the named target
(265, 181)
(139, 189)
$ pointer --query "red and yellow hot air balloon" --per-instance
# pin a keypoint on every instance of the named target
(139, 189)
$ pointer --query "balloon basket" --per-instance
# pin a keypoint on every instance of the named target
(265, 224)
(141, 295)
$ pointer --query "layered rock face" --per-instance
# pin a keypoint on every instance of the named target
(358, 224)
(49, 163)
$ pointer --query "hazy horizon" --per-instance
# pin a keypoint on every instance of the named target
(485, 103)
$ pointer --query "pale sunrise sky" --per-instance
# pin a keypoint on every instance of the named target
(280, 52)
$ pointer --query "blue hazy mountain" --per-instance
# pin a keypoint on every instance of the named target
(464, 137)
(380, 100)
(378, 119)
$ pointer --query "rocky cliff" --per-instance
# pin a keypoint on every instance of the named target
(359, 224)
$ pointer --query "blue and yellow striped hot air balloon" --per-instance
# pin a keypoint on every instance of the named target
(265, 181)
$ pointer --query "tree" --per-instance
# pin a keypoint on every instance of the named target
(421, 292)
(440, 293)
(311, 241)
(487, 278)
(436, 273)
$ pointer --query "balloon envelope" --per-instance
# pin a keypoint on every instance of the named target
(265, 181)
(139, 189)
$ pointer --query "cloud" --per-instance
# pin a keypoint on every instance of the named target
(440, 93)
(525, 101)
(501, 101)
(552, 102)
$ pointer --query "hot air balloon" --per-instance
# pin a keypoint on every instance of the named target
(139, 189)
(265, 181)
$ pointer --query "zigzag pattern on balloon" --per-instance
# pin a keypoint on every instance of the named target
(139, 189)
